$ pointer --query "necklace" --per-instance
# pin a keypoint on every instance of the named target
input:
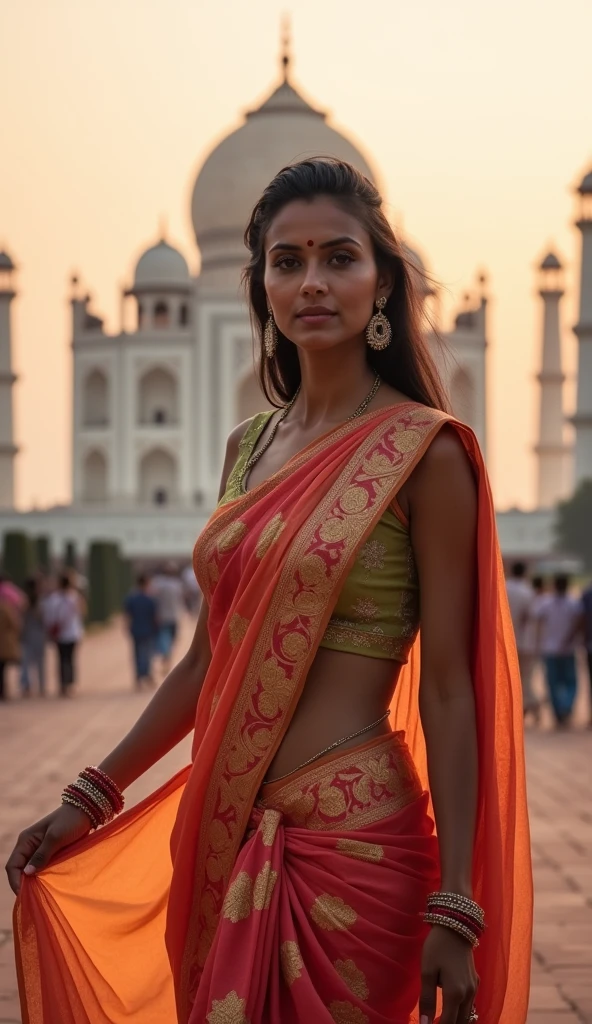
(255, 456)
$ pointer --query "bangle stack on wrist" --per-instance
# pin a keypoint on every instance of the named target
(459, 913)
(96, 794)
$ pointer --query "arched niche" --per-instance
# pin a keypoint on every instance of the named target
(94, 487)
(249, 398)
(158, 397)
(463, 395)
(95, 411)
(162, 315)
(158, 477)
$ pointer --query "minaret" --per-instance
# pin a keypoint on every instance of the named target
(8, 448)
(551, 448)
(583, 416)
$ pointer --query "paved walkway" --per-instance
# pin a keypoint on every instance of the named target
(44, 743)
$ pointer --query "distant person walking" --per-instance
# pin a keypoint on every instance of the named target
(559, 616)
(10, 651)
(64, 613)
(33, 639)
(520, 598)
(191, 589)
(587, 630)
(141, 613)
(168, 592)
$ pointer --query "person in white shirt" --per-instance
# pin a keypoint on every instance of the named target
(520, 598)
(167, 590)
(558, 618)
(63, 612)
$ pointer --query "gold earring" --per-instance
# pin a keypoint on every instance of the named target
(378, 331)
(270, 335)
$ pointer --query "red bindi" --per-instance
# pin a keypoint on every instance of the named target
(310, 242)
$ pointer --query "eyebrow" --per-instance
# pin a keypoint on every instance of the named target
(325, 245)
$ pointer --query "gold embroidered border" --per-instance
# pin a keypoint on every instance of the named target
(380, 470)
(391, 646)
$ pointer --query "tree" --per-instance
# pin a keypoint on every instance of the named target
(573, 526)
(18, 556)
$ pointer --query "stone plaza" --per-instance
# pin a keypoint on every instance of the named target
(45, 742)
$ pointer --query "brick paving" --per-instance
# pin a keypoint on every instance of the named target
(44, 743)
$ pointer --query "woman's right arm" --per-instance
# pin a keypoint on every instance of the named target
(165, 722)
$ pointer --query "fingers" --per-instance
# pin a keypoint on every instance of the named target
(464, 1013)
(457, 1003)
(427, 999)
(43, 854)
(26, 845)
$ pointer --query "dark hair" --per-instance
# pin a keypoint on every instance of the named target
(64, 581)
(406, 363)
(518, 570)
(561, 583)
(141, 579)
(538, 583)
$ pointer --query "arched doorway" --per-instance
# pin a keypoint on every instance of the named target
(158, 398)
(158, 477)
(95, 411)
(94, 486)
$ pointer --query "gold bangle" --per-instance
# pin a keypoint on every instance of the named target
(455, 926)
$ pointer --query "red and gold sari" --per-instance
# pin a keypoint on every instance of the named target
(299, 899)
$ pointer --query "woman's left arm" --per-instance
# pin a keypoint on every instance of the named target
(442, 496)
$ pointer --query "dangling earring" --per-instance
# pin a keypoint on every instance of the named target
(270, 335)
(378, 331)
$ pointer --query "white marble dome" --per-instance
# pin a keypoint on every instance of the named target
(160, 267)
(284, 129)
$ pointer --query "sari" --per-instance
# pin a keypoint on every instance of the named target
(233, 926)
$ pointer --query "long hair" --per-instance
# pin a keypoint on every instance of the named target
(406, 364)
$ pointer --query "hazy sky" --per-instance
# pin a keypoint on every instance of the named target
(477, 115)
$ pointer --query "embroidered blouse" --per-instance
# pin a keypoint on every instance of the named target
(377, 612)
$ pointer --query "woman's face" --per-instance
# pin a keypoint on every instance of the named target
(321, 278)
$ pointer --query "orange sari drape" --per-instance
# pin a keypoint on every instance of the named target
(90, 929)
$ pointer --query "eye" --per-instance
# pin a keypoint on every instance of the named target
(286, 262)
(342, 259)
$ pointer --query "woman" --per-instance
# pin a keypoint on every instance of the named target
(64, 614)
(33, 640)
(303, 847)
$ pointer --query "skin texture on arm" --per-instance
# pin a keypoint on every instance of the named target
(443, 516)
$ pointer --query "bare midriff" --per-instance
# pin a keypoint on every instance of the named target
(343, 693)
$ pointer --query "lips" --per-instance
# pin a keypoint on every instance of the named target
(315, 314)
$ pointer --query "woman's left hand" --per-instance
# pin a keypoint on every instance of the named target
(447, 963)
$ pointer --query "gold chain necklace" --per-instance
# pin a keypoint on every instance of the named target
(255, 456)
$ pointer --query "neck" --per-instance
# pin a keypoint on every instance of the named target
(334, 383)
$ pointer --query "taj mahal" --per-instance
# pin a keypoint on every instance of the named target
(154, 403)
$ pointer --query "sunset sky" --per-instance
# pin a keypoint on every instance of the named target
(476, 114)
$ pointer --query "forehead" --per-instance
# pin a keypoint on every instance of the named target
(319, 220)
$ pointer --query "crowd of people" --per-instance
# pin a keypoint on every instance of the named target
(48, 612)
(550, 624)
(44, 612)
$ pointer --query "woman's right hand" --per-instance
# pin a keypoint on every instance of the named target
(37, 844)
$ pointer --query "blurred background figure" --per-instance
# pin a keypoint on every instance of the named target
(168, 593)
(587, 631)
(33, 639)
(141, 614)
(10, 652)
(559, 618)
(192, 591)
(64, 612)
(520, 598)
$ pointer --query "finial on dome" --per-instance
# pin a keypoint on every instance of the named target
(286, 46)
(162, 228)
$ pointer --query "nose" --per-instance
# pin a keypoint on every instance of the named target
(314, 282)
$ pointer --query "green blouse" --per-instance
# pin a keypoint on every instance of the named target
(377, 612)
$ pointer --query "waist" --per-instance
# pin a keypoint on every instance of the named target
(347, 789)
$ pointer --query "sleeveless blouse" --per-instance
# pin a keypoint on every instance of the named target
(377, 612)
